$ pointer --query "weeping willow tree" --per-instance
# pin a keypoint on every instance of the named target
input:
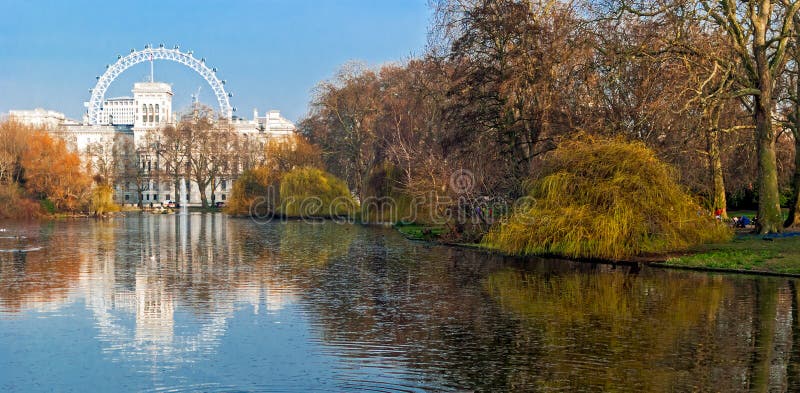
(254, 192)
(102, 200)
(312, 192)
(608, 199)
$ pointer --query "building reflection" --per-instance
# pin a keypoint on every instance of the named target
(136, 285)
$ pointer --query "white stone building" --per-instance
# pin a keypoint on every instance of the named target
(119, 111)
(127, 123)
(38, 117)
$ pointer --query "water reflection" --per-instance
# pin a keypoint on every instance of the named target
(210, 303)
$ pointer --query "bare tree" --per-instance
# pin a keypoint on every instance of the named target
(759, 32)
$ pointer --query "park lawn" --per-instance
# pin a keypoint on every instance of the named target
(746, 252)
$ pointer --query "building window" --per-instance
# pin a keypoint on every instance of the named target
(167, 196)
(155, 197)
(147, 197)
(223, 185)
(127, 197)
(157, 113)
(223, 197)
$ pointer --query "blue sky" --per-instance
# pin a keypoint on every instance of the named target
(271, 53)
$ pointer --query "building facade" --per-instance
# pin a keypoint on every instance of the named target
(119, 111)
(38, 117)
(130, 127)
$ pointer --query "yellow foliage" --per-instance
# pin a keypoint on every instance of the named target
(609, 199)
(311, 192)
(102, 200)
(254, 192)
(306, 192)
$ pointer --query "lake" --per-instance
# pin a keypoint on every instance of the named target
(203, 302)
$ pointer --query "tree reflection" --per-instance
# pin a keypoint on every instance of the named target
(40, 277)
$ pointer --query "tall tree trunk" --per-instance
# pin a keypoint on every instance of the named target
(177, 189)
(794, 209)
(203, 197)
(715, 164)
(213, 192)
(769, 208)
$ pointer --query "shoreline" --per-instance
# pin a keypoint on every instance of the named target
(748, 254)
(662, 261)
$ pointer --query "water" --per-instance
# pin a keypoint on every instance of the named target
(207, 303)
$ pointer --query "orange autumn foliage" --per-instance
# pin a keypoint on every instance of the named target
(54, 173)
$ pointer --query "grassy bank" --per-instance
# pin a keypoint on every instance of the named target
(420, 231)
(747, 253)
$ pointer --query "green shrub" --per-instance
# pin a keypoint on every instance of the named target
(311, 192)
(48, 206)
(609, 199)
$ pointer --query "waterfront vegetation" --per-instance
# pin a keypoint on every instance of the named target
(302, 192)
(102, 200)
(312, 192)
(39, 176)
(252, 192)
(607, 199)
